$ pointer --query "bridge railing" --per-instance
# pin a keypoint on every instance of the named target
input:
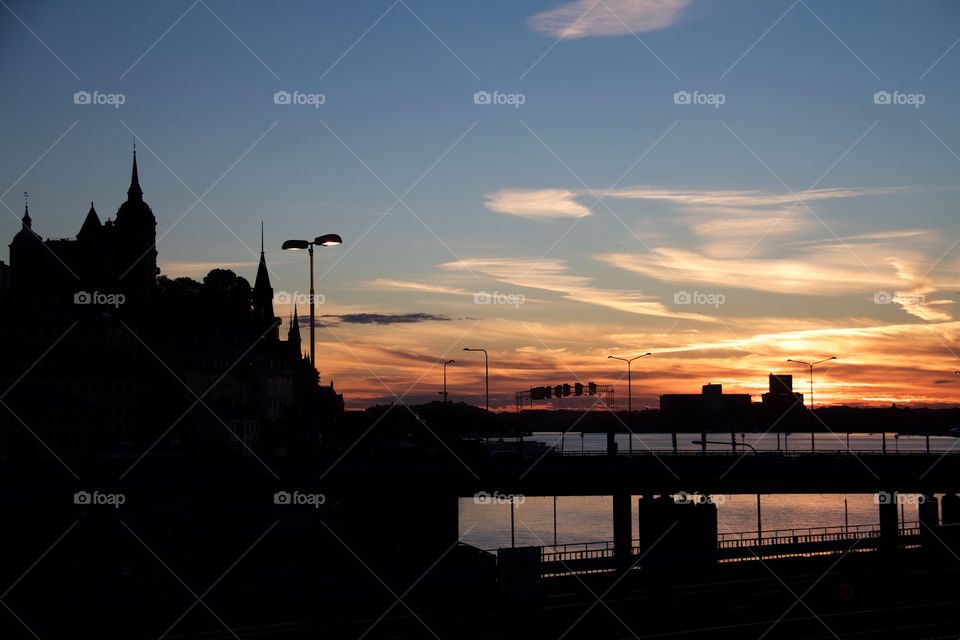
(555, 450)
(808, 534)
(731, 540)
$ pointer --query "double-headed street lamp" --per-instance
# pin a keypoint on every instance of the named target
(629, 376)
(328, 240)
(486, 365)
(811, 365)
(444, 393)
(629, 394)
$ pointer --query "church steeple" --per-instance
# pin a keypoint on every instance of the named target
(27, 222)
(134, 192)
(263, 293)
(293, 333)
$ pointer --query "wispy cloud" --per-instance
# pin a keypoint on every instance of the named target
(868, 272)
(537, 204)
(411, 285)
(552, 275)
(585, 18)
(564, 203)
(744, 198)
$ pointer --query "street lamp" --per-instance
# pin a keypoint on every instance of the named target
(629, 392)
(629, 381)
(445, 378)
(811, 365)
(328, 240)
(486, 365)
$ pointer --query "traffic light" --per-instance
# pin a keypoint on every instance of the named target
(558, 390)
(592, 388)
(566, 390)
(578, 389)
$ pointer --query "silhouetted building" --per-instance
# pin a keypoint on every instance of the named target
(710, 399)
(115, 257)
(131, 354)
(781, 396)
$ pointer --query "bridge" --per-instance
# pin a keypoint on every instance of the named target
(646, 472)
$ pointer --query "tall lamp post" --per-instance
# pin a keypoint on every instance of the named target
(486, 366)
(445, 378)
(328, 240)
(811, 365)
(629, 391)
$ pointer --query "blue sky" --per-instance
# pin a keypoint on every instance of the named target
(504, 199)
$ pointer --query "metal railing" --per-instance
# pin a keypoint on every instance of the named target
(805, 535)
(576, 551)
(762, 452)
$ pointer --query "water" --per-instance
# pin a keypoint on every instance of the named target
(590, 518)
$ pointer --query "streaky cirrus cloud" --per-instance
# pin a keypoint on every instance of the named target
(866, 271)
(413, 285)
(552, 275)
(563, 203)
(745, 197)
(586, 18)
(537, 204)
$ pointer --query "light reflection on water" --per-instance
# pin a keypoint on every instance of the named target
(590, 519)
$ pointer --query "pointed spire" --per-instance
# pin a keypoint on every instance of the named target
(263, 294)
(91, 224)
(293, 333)
(27, 222)
(135, 192)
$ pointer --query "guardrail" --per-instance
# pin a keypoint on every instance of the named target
(809, 534)
(579, 551)
(761, 453)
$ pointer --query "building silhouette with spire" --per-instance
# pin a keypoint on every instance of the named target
(137, 349)
(116, 256)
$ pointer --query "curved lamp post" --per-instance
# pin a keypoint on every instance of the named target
(629, 376)
(811, 365)
(629, 391)
(486, 365)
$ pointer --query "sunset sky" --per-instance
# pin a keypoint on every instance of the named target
(726, 185)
